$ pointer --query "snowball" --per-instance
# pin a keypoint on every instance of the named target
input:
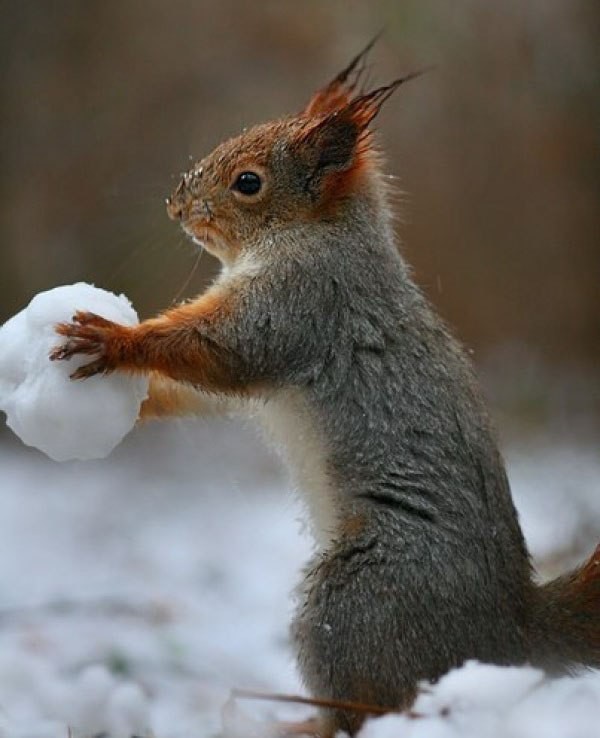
(83, 419)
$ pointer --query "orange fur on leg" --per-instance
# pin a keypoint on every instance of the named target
(176, 344)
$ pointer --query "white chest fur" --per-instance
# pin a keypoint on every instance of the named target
(292, 427)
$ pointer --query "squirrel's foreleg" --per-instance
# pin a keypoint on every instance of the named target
(182, 343)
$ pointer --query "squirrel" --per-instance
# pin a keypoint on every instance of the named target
(316, 325)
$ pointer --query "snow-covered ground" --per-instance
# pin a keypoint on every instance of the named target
(136, 591)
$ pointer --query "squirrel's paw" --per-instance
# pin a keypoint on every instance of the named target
(88, 333)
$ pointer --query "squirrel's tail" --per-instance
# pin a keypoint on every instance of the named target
(566, 627)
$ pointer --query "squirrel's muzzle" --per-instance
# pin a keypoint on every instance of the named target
(180, 202)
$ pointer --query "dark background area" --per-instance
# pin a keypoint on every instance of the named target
(497, 150)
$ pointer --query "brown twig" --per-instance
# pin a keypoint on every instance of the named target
(249, 694)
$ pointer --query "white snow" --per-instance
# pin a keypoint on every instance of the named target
(484, 701)
(65, 419)
(135, 592)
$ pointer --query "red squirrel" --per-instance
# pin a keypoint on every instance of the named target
(316, 325)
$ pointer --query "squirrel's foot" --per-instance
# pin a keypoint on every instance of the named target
(89, 333)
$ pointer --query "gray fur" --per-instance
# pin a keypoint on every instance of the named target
(423, 564)
(440, 572)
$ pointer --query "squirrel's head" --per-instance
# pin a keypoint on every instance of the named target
(302, 168)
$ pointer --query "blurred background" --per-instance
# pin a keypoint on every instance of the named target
(135, 591)
(497, 152)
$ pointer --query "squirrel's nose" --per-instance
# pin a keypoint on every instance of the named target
(174, 209)
(179, 202)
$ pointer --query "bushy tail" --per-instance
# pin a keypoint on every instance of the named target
(566, 627)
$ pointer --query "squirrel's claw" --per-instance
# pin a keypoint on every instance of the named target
(88, 333)
(90, 370)
(75, 346)
(83, 317)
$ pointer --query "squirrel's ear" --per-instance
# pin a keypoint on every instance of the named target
(328, 147)
(341, 141)
(339, 91)
(330, 143)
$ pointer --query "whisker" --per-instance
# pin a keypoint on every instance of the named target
(186, 283)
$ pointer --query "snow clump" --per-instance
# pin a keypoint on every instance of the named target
(65, 419)
(487, 701)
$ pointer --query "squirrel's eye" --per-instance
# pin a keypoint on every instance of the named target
(248, 183)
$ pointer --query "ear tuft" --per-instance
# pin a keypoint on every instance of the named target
(335, 135)
(364, 108)
(341, 88)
